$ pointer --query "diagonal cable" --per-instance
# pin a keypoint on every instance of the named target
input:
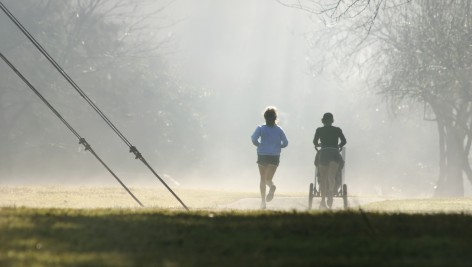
(132, 149)
(82, 140)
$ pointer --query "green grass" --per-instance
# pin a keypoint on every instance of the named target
(151, 237)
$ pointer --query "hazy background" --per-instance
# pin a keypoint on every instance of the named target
(223, 62)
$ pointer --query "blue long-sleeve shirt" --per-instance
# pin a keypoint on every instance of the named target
(269, 140)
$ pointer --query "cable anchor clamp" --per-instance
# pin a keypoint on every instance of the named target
(83, 142)
(135, 151)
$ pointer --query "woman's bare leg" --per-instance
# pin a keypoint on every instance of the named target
(323, 170)
(270, 172)
(269, 175)
(331, 181)
(262, 184)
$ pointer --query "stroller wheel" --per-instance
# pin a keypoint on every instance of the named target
(344, 194)
(310, 197)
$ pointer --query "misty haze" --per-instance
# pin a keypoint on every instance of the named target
(235, 133)
(187, 82)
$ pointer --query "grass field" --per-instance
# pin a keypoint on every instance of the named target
(130, 236)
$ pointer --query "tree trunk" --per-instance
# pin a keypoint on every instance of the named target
(452, 158)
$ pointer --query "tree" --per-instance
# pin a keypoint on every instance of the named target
(115, 51)
(416, 53)
(428, 60)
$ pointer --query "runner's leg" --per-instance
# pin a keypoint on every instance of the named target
(262, 184)
(269, 175)
(270, 172)
(332, 171)
(323, 171)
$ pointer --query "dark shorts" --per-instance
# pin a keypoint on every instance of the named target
(268, 159)
(325, 155)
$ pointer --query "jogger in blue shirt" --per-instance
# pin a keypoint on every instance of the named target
(269, 139)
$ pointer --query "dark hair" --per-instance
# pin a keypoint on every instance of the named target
(270, 116)
(327, 118)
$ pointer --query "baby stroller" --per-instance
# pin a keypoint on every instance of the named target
(340, 189)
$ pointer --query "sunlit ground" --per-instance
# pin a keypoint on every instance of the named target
(88, 197)
(113, 197)
(430, 205)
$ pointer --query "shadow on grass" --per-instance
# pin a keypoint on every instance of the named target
(59, 237)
